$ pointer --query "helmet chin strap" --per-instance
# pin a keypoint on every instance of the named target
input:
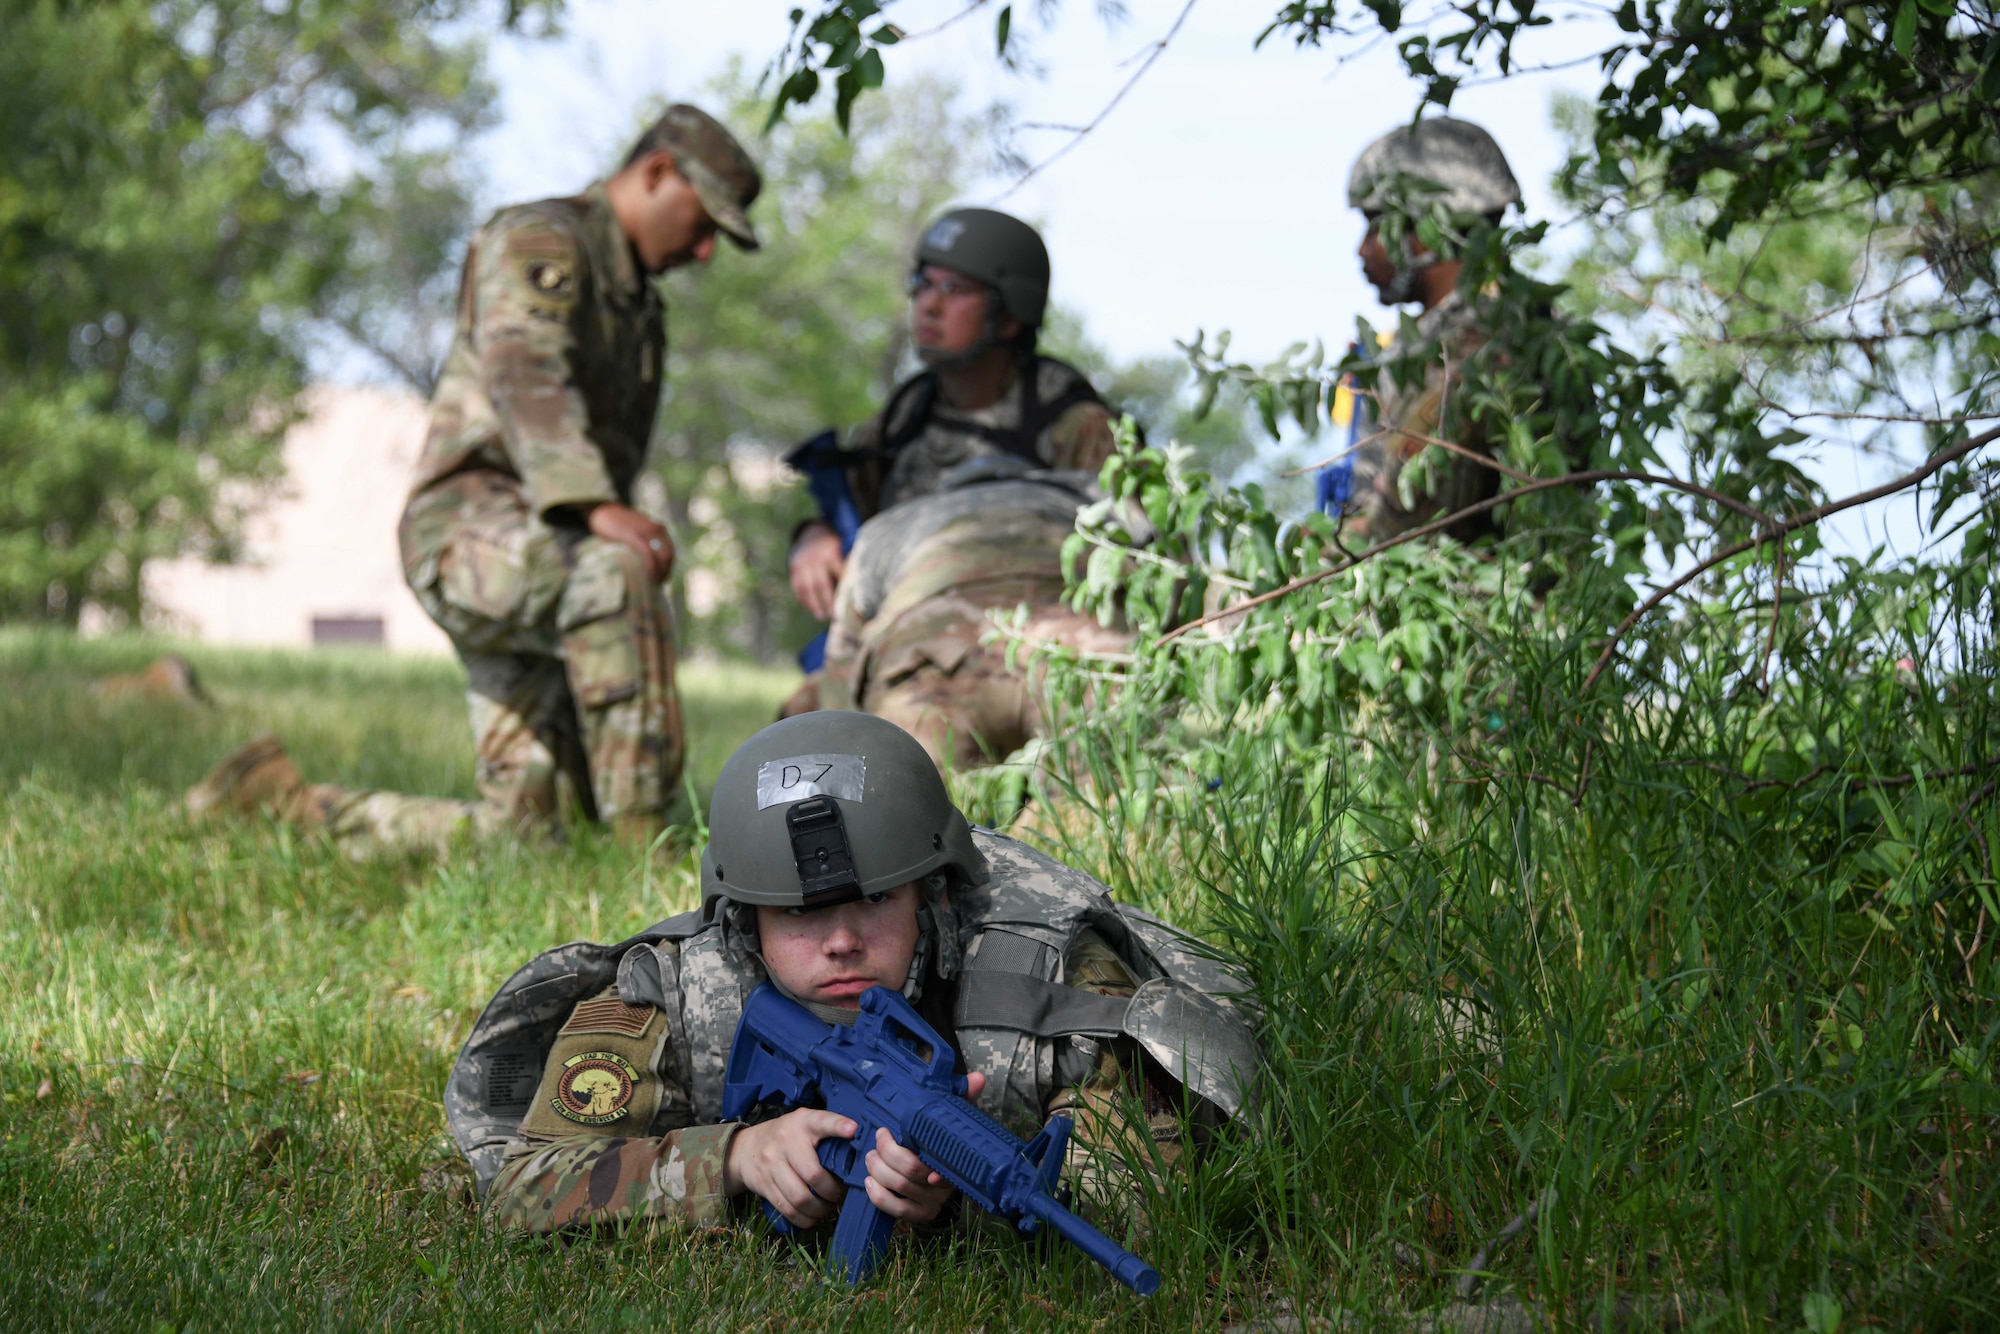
(938, 359)
(1403, 285)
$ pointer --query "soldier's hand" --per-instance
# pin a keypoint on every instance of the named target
(901, 1184)
(779, 1160)
(622, 523)
(816, 564)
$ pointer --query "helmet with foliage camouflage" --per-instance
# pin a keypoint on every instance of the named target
(999, 250)
(825, 807)
(1455, 155)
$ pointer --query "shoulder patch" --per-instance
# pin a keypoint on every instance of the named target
(550, 277)
(609, 1014)
(595, 1087)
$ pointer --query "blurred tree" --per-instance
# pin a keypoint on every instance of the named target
(186, 187)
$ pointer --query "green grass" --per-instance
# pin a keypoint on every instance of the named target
(1725, 1038)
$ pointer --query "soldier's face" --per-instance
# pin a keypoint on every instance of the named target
(1376, 266)
(670, 227)
(832, 955)
(948, 311)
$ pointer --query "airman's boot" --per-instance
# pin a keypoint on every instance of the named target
(256, 776)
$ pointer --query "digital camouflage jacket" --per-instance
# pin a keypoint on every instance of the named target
(590, 1089)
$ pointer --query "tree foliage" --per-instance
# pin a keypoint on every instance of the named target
(172, 224)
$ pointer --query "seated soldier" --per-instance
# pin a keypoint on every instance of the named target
(986, 406)
(591, 1087)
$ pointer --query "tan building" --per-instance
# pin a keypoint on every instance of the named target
(319, 559)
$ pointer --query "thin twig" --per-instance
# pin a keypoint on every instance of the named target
(1475, 1268)
(1159, 49)
(1782, 527)
(1777, 604)
(1588, 477)
(1583, 777)
(937, 28)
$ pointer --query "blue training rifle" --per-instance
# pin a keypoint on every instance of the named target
(892, 1069)
(824, 465)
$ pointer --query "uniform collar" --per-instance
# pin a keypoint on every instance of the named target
(1446, 313)
(626, 279)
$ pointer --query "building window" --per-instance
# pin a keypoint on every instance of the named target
(347, 630)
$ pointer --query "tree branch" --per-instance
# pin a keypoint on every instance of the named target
(1589, 477)
(1796, 521)
(1159, 49)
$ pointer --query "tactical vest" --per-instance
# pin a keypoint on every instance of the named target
(1013, 1017)
(909, 411)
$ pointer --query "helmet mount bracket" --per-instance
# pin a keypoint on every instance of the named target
(820, 849)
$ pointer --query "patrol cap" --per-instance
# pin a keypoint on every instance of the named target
(1459, 157)
(825, 807)
(714, 163)
(999, 250)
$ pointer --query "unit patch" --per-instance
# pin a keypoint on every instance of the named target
(608, 1014)
(549, 277)
(595, 1087)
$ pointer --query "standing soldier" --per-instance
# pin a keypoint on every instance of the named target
(1469, 174)
(969, 479)
(520, 538)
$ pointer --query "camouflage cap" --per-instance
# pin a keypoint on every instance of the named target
(1455, 155)
(713, 162)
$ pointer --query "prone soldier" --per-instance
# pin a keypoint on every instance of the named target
(591, 1087)
(519, 537)
(968, 481)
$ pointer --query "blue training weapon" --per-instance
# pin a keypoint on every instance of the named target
(892, 1069)
(824, 465)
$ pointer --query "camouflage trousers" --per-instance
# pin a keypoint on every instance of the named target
(569, 661)
(938, 670)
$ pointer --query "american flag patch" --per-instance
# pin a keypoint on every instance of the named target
(609, 1015)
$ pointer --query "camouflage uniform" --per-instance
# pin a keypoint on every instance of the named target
(906, 449)
(1385, 502)
(912, 615)
(544, 409)
(559, 1172)
(915, 656)
(653, 1074)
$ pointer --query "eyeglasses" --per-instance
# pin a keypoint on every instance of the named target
(950, 285)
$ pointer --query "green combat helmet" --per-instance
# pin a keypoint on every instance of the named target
(999, 250)
(827, 807)
(1455, 155)
(1458, 157)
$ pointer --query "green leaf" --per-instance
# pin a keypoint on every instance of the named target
(1003, 28)
(1904, 35)
(868, 70)
(1821, 1310)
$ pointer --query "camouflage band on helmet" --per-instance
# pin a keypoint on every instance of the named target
(1458, 157)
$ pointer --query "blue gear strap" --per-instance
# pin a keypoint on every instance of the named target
(1333, 485)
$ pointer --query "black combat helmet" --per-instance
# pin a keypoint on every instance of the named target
(999, 250)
